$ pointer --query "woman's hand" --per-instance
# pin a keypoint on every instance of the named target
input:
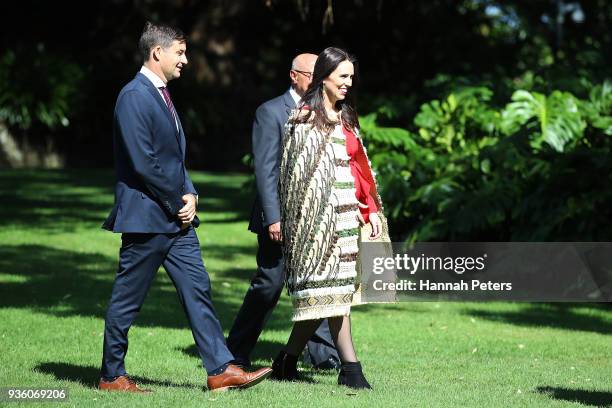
(376, 226)
(359, 216)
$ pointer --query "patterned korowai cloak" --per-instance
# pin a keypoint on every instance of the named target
(319, 224)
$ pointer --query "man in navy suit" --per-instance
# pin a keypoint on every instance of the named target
(155, 210)
(267, 284)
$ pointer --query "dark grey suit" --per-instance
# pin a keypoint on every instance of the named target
(267, 284)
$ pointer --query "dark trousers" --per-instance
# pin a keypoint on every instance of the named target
(140, 257)
(261, 297)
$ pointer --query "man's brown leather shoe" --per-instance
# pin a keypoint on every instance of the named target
(234, 377)
(121, 383)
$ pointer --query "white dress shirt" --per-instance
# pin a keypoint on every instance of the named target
(157, 83)
(295, 96)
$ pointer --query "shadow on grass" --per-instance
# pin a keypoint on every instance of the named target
(90, 376)
(43, 278)
(265, 350)
(55, 200)
(586, 397)
(65, 283)
(403, 307)
(229, 253)
(226, 198)
(556, 315)
(62, 200)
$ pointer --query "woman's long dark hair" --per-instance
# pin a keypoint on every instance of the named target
(327, 62)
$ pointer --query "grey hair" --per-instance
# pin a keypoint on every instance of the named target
(157, 34)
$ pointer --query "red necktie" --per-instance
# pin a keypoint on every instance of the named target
(168, 100)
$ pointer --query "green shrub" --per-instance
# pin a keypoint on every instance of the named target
(537, 168)
(43, 94)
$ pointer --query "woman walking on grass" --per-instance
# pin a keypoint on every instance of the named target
(329, 203)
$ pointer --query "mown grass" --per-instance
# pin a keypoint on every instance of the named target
(56, 272)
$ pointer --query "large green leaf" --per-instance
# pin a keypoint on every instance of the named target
(598, 109)
(558, 118)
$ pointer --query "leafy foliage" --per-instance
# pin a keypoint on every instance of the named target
(42, 93)
(469, 170)
(598, 109)
(557, 116)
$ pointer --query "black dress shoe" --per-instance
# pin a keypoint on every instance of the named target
(284, 367)
(242, 363)
(352, 376)
(330, 364)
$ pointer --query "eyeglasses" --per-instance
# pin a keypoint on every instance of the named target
(305, 73)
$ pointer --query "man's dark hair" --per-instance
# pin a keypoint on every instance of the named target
(157, 34)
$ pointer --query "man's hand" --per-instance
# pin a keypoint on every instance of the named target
(274, 231)
(376, 226)
(188, 212)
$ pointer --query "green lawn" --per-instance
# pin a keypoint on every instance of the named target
(56, 272)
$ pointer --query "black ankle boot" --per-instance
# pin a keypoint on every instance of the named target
(352, 376)
(284, 367)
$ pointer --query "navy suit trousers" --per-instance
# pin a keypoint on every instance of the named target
(140, 257)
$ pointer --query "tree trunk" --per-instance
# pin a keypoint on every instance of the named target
(10, 153)
(17, 155)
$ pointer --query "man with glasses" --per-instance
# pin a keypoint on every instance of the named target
(267, 284)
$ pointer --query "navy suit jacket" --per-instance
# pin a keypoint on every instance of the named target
(149, 162)
(267, 137)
